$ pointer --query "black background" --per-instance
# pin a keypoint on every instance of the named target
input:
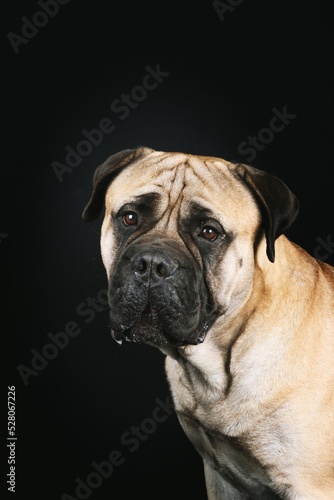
(225, 78)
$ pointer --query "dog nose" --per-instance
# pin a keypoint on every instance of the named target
(154, 265)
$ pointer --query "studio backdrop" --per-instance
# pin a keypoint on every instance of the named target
(91, 418)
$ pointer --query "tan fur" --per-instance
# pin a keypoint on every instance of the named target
(281, 400)
(258, 394)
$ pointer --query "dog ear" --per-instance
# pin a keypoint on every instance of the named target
(104, 174)
(279, 206)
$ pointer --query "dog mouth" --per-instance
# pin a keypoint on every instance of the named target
(148, 328)
(157, 295)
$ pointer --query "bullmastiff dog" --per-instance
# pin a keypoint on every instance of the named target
(199, 267)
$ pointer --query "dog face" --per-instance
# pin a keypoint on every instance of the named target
(179, 240)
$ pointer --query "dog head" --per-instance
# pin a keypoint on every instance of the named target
(179, 239)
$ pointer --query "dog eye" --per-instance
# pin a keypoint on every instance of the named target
(130, 219)
(209, 233)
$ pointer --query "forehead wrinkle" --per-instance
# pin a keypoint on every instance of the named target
(162, 162)
(138, 180)
(174, 197)
(217, 180)
(220, 194)
(114, 203)
(213, 172)
(183, 175)
(169, 183)
(213, 176)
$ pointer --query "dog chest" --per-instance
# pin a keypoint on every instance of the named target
(230, 458)
(204, 426)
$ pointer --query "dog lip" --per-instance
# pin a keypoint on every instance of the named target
(146, 326)
(115, 337)
(124, 332)
(118, 336)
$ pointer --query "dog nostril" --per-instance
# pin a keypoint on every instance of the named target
(140, 265)
(162, 269)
